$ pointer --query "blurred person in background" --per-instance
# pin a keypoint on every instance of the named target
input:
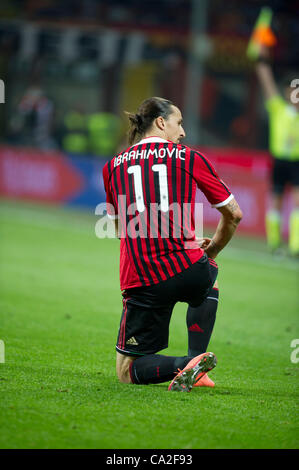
(74, 137)
(104, 130)
(32, 121)
(96, 134)
(284, 148)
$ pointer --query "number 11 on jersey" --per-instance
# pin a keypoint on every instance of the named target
(161, 169)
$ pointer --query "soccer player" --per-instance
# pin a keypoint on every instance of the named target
(284, 147)
(150, 190)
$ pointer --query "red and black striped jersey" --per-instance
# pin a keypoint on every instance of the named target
(150, 189)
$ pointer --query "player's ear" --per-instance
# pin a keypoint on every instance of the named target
(160, 123)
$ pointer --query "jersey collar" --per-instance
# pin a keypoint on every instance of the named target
(150, 139)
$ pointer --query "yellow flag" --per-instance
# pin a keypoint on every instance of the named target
(261, 34)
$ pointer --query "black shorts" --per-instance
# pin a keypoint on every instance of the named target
(144, 325)
(284, 172)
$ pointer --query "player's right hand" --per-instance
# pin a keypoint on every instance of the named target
(264, 52)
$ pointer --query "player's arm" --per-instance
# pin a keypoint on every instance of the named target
(231, 215)
(221, 198)
(265, 74)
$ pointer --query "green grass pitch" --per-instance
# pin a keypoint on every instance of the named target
(60, 308)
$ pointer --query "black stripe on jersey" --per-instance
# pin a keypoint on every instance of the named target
(169, 244)
(137, 239)
(175, 199)
(191, 165)
(147, 169)
(129, 240)
(183, 185)
(212, 172)
(159, 223)
(165, 244)
(190, 171)
(173, 183)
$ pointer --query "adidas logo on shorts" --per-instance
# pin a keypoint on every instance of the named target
(132, 341)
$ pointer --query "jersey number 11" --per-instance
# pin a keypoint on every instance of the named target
(161, 169)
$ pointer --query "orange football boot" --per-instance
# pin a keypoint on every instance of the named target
(204, 381)
(192, 372)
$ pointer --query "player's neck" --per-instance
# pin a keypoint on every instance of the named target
(155, 133)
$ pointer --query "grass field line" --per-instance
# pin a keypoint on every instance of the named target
(83, 223)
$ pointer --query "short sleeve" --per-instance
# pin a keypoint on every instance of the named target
(111, 209)
(208, 181)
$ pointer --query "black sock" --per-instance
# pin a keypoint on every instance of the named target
(200, 324)
(154, 368)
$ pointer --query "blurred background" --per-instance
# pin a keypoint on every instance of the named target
(71, 68)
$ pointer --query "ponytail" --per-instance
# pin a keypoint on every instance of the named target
(135, 126)
(148, 111)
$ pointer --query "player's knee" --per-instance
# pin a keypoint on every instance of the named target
(216, 285)
(123, 368)
(124, 376)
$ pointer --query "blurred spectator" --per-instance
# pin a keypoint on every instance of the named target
(32, 122)
(104, 133)
(228, 108)
(74, 134)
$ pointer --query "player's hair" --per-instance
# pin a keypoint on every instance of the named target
(148, 111)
